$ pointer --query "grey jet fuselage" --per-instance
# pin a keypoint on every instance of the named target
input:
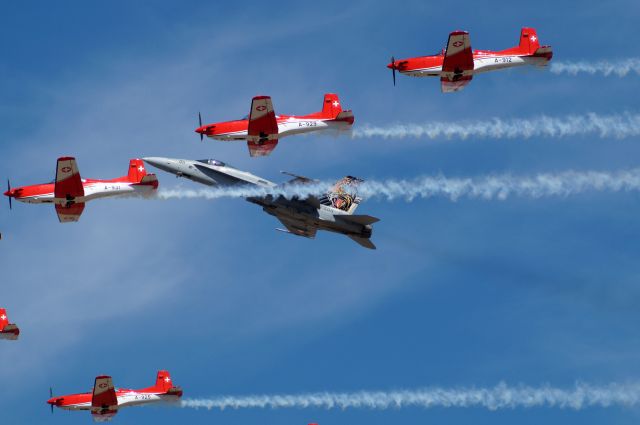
(302, 217)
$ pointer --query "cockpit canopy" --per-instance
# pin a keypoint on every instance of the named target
(212, 162)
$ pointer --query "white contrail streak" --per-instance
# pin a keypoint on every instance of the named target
(490, 187)
(620, 68)
(618, 126)
(501, 396)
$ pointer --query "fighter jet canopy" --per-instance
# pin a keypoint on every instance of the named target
(212, 162)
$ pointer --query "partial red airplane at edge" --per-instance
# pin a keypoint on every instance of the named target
(262, 128)
(105, 400)
(7, 330)
(69, 192)
(457, 65)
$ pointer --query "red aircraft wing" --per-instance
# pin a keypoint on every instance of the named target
(104, 402)
(263, 128)
(67, 214)
(68, 183)
(68, 186)
(261, 148)
(449, 86)
(457, 67)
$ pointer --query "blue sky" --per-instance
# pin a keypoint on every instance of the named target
(459, 293)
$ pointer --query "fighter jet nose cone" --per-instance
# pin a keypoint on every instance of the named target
(153, 160)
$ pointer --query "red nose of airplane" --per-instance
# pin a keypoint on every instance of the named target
(8, 193)
(205, 129)
(391, 65)
(55, 401)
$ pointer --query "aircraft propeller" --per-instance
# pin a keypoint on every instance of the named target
(9, 190)
(393, 69)
(50, 397)
(200, 122)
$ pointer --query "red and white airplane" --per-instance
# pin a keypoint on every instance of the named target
(7, 330)
(69, 192)
(262, 127)
(105, 400)
(457, 65)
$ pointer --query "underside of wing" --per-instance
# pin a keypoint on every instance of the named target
(261, 147)
(298, 228)
(457, 83)
(103, 415)
(70, 213)
(68, 184)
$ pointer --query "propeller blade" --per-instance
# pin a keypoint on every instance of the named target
(51, 396)
(200, 122)
(9, 190)
(393, 70)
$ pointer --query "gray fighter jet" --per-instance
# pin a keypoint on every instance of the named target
(332, 211)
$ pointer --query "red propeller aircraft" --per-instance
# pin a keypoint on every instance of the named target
(262, 127)
(457, 65)
(7, 330)
(105, 400)
(69, 192)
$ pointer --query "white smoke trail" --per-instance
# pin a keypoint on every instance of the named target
(490, 187)
(617, 126)
(620, 68)
(501, 396)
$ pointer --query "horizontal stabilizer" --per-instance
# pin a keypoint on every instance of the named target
(362, 219)
(365, 242)
(297, 179)
(346, 116)
(148, 178)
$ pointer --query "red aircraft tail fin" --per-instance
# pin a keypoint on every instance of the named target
(331, 105)
(4, 320)
(529, 42)
(136, 170)
(163, 381)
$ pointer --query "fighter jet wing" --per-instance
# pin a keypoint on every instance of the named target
(104, 402)
(298, 228)
(262, 132)
(457, 68)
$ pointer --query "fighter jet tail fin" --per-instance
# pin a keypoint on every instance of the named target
(365, 242)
